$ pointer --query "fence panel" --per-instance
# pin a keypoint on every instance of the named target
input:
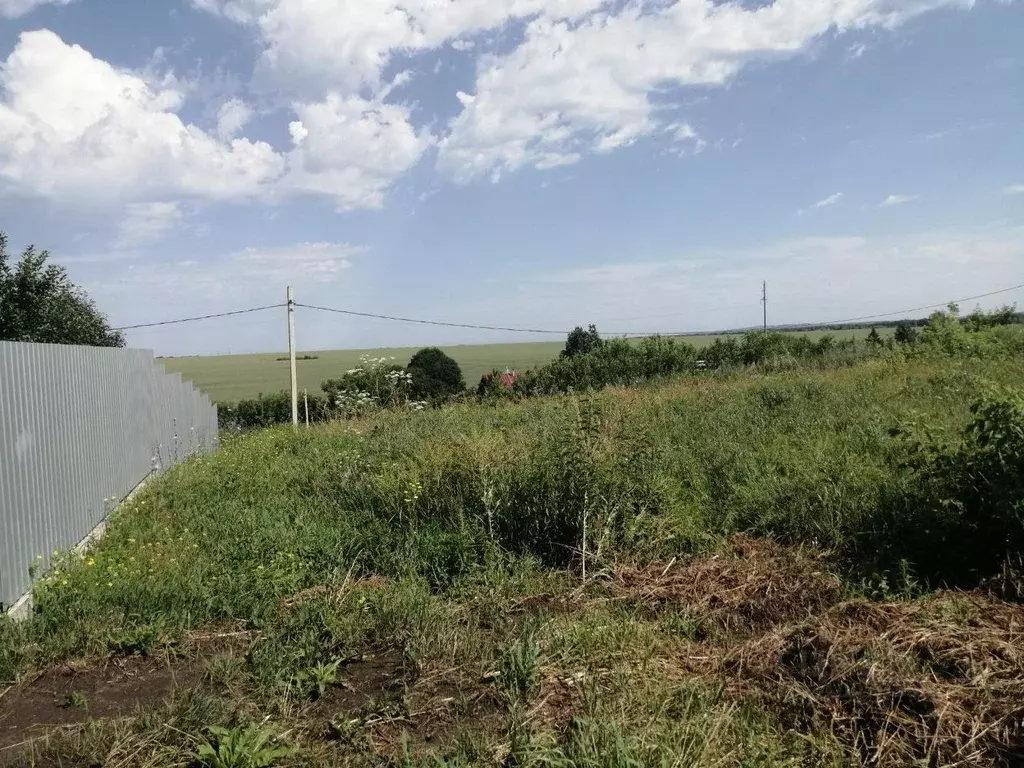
(80, 427)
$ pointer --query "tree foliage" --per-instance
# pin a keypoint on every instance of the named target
(582, 342)
(39, 303)
(905, 334)
(435, 376)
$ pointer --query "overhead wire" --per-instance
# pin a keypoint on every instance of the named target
(425, 322)
(200, 317)
(473, 326)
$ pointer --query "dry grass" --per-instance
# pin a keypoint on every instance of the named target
(751, 585)
(935, 682)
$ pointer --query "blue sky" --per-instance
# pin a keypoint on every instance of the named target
(640, 165)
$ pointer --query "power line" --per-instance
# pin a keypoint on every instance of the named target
(919, 309)
(201, 317)
(446, 324)
(427, 322)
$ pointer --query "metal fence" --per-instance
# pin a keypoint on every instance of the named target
(80, 428)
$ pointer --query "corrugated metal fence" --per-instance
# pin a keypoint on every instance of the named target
(80, 427)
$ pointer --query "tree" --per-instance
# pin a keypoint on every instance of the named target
(905, 334)
(39, 303)
(580, 342)
(435, 376)
(874, 339)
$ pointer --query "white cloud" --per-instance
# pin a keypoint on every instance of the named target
(231, 118)
(897, 200)
(1014, 189)
(146, 223)
(352, 149)
(12, 9)
(598, 83)
(309, 44)
(74, 127)
(589, 75)
(824, 203)
(78, 130)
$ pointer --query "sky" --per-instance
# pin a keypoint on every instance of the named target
(535, 164)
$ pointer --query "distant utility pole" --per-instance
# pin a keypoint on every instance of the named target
(291, 357)
(764, 301)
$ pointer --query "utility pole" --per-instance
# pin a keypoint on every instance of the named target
(291, 357)
(764, 301)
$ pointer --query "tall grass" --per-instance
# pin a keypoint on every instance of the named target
(812, 457)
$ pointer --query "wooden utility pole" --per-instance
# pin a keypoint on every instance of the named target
(764, 301)
(291, 357)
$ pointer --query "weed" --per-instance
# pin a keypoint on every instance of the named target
(314, 681)
(75, 700)
(251, 747)
(519, 666)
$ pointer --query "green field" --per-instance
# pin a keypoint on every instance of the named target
(229, 378)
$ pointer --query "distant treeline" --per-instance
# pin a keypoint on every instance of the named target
(589, 362)
(1011, 318)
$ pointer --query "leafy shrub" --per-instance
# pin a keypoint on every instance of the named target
(971, 504)
(435, 376)
(375, 382)
(268, 410)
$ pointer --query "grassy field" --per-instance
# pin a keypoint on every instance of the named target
(229, 378)
(725, 573)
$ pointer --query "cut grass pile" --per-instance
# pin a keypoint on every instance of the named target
(230, 378)
(409, 589)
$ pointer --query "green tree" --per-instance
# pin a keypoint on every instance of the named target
(39, 303)
(905, 334)
(874, 339)
(435, 376)
(582, 342)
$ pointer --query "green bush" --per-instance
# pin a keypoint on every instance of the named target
(376, 381)
(963, 522)
(435, 376)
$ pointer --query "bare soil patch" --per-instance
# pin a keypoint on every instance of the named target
(385, 698)
(70, 694)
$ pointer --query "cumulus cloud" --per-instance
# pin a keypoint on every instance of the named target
(310, 43)
(12, 9)
(602, 81)
(352, 148)
(587, 76)
(76, 129)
